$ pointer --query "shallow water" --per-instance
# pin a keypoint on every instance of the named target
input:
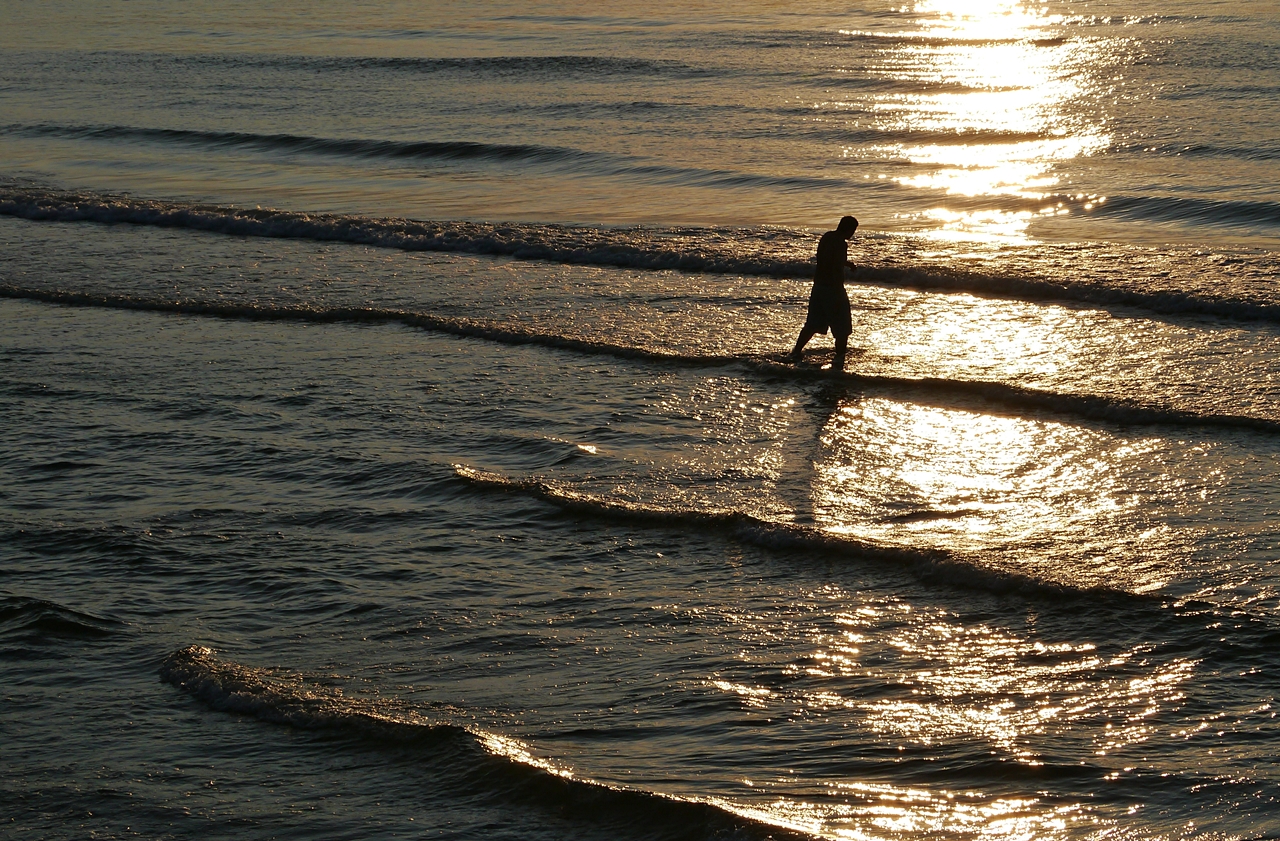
(399, 443)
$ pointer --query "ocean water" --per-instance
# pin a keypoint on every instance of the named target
(398, 440)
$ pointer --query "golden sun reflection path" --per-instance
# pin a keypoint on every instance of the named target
(998, 87)
(938, 689)
(1060, 503)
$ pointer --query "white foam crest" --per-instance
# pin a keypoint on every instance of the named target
(280, 698)
(770, 252)
(286, 698)
(641, 248)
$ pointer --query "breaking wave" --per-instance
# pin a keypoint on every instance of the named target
(473, 757)
(929, 564)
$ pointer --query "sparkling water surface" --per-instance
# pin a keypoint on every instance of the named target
(398, 440)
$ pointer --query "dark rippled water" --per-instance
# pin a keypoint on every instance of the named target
(398, 442)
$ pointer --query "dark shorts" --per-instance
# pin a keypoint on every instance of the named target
(829, 309)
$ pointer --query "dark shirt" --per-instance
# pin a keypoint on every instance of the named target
(833, 253)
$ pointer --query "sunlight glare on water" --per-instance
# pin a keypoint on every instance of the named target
(973, 482)
(999, 85)
(995, 693)
(411, 380)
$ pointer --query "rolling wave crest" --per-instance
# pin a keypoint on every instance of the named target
(1015, 400)
(770, 252)
(929, 564)
(467, 755)
(37, 621)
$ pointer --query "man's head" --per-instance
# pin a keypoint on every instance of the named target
(847, 226)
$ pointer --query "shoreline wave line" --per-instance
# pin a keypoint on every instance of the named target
(479, 758)
(1016, 400)
(778, 253)
(929, 564)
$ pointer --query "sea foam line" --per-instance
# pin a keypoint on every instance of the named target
(629, 248)
(1015, 400)
(767, 252)
(482, 758)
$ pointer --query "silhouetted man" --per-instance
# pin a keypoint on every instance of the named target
(828, 301)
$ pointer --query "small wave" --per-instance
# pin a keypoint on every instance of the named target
(1246, 643)
(61, 466)
(37, 621)
(139, 549)
(1015, 399)
(360, 148)
(1166, 302)
(481, 759)
(1072, 406)
(521, 66)
(524, 67)
(588, 246)
(495, 67)
(230, 687)
(575, 160)
(499, 67)
(769, 252)
(1220, 212)
(1201, 150)
(929, 564)
(894, 136)
(1155, 19)
(923, 38)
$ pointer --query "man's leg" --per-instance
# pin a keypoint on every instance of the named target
(805, 335)
(842, 346)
